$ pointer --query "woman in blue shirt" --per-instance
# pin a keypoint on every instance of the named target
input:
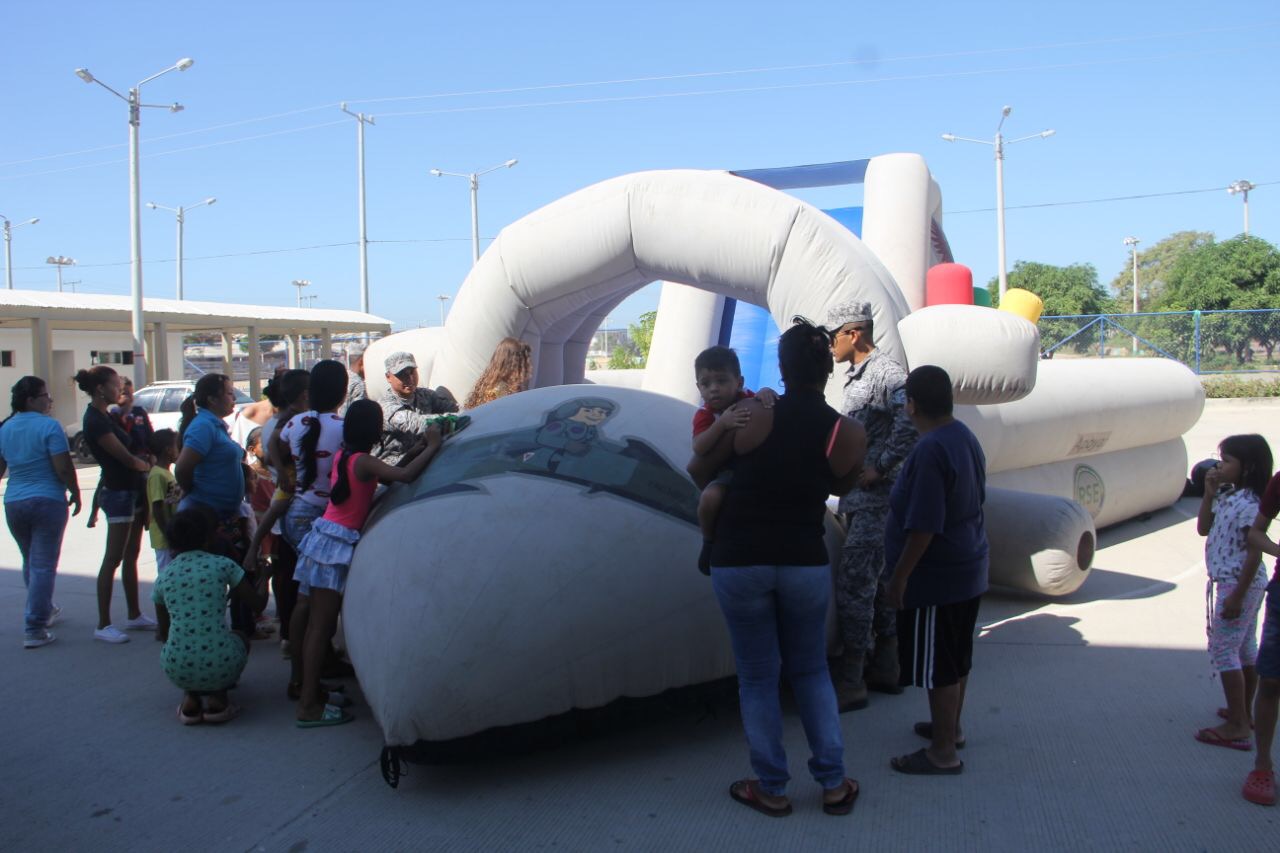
(34, 451)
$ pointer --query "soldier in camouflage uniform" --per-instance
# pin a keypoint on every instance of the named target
(875, 397)
(407, 410)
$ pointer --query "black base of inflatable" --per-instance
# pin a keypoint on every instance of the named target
(699, 701)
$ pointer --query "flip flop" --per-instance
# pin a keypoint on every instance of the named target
(746, 791)
(918, 764)
(332, 716)
(1212, 738)
(925, 730)
(192, 720)
(226, 715)
(1260, 787)
(844, 805)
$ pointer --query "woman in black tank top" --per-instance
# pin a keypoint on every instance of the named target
(771, 573)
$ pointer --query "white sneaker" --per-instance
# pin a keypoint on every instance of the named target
(111, 634)
(54, 613)
(142, 623)
(35, 641)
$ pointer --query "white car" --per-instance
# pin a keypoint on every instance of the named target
(162, 401)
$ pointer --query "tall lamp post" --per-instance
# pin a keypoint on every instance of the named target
(134, 100)
(473, 178)
(1243, 187)
(8, 246)
(1132, 243)
(361, 121)
(60, 261)
(998, 143)
(443, 299)
(300, 283)
(181, 214)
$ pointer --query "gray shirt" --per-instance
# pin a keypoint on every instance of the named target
(355, 391)
(877, 398)
(404, 422)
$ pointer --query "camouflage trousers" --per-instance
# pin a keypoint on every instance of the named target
(862, 599)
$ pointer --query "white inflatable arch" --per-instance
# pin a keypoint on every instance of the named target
(552, 277)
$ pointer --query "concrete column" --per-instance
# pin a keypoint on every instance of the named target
(227, 353)
(158, 361)
(290, 352)
(42, 349)
(326, 344)
(255, 364)
(297, 349)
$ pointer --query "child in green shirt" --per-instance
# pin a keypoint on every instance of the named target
(163, 492)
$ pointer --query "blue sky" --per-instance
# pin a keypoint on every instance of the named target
(1146, 98)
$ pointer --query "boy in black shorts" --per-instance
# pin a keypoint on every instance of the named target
(936, 542)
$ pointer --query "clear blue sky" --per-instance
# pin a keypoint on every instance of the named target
(1145, 97)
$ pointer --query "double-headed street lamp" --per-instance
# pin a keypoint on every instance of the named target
(998, 143)
(474, 179)
(60, 261)
(1243, 187)
(134, 100)
(361, 121)
(181, 214)
(300, 283)
(1132, 243)
(8, 247)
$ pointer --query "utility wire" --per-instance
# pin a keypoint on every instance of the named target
(1097, 200)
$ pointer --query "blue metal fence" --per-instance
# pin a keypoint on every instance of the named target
(1206, 341)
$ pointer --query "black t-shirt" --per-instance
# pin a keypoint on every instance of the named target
(115, 474)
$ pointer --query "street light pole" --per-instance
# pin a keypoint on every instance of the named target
(1243, 188)
(181, 215)
(60, 261)
(361, 121)
(443, 299)
(473, 180)
(998, 144)
(1132, 243)
(300, 283)
(8, 247)
(134, 100)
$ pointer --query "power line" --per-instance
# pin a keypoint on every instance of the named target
(1096, 200)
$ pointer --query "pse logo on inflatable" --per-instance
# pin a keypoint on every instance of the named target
(1090, 491)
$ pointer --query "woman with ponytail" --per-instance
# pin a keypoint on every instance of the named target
(324, 556)
(34, 452)
(771, 574)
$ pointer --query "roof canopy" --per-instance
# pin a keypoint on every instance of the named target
(98, 312)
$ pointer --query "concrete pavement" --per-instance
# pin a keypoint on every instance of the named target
(1079, 723)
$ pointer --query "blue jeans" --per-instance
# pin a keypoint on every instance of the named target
(37, 525)
(777, 621)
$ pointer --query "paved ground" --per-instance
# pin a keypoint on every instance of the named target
(1079, 723)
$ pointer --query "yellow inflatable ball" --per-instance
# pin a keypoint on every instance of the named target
(1024, 303)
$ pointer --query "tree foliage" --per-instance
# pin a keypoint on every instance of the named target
(1154, 267)
(636, 353)
(1065, 290)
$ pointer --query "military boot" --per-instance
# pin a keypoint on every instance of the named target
(882, 671)
(851, 690)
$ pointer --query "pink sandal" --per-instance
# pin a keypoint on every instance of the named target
(1260, 787)
(189, 720)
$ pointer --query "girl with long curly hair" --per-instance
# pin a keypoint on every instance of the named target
(509, 372)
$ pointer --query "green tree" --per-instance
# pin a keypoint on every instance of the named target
(1154, 266)
(1066, 290)
(636, 352)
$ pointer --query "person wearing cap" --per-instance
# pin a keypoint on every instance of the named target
(355, 377)
(407, 410)
(875, 397)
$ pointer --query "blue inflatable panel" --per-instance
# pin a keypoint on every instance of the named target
(849, 217)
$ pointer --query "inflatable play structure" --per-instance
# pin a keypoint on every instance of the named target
(545, 560)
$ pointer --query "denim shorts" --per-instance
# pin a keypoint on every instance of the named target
(298, 520)
(120, 506)
(1269, 650)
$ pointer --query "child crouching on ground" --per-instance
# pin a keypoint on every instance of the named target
(324, 555)
(1232, 492)
(201, 656)
(719, 378)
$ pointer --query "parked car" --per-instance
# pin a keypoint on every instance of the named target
(162, 402)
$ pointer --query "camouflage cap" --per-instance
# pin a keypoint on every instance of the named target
(843, 313)
(399, 361)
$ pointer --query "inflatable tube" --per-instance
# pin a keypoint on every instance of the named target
(1085, 406)
(982, 296)
(545, 275)
(991, 356)
(1022, 303)
(1039, 543)
(521, 577)
(949, 284)
(1111, 486)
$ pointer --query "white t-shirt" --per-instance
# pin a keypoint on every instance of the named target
(1226, 546)
(327, 447)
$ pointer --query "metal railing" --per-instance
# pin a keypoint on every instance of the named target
(1206, 341)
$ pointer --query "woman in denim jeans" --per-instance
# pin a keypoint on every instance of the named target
(34, 451)
(770, 570)
(121, 499)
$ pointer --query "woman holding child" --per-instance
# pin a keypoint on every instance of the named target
(770, 570)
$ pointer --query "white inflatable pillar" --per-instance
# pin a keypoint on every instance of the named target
(897, 209)
(688, 323)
